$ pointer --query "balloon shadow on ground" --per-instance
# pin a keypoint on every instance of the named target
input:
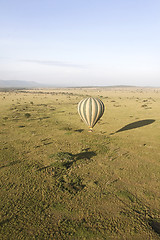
(134, 125)
(155, 225)
(68, 159)
(84, 155)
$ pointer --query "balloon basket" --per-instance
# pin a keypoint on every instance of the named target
(90, 130)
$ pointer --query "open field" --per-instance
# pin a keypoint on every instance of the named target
(58, 181)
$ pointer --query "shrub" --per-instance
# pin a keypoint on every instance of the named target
(27, 115)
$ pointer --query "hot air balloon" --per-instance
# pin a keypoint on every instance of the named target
(90, 111)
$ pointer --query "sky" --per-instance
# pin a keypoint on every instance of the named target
(80, 42)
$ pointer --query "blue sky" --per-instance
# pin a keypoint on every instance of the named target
(77, 43)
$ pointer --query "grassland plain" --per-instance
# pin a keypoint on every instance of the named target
(58, 181)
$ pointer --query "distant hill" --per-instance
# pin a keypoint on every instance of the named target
(18, 84)
(31, 84)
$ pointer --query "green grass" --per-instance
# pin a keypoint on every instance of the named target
(58, 181)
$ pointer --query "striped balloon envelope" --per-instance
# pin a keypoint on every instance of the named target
(90, 110)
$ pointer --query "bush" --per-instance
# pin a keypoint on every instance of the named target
(27, 115)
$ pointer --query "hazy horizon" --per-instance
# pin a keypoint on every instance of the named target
(36, 84)
(86, 43)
